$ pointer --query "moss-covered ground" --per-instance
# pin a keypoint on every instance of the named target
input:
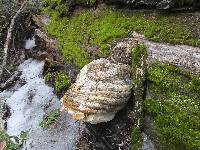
(9, 144)
(60, 80)
(174, 106)
(98, 29)
(51, 118)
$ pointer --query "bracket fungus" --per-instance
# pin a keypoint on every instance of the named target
(103, 87)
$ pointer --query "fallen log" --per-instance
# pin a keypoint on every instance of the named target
(182, 56)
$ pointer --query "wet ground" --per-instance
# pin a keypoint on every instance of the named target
(115, 134)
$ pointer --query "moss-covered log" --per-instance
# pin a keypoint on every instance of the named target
(139, 56)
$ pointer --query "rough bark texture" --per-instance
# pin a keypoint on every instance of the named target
(183, 56)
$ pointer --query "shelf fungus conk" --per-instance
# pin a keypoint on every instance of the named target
(102, 88)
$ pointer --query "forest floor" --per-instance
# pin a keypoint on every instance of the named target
(62, 132)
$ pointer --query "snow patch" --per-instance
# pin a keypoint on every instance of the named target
(30, 43)
(30, 102)
(31, 69)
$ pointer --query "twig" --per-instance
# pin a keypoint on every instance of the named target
(7, 70)
(10, 81)
(9, 37)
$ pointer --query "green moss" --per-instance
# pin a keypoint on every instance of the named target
(62, 81)
(59, 80)
(137, 139)
(48, 77)
(56, 8)
(24, 135)
(174, 106)
(139, 55)
(167, 79)
(51, 118)
(9, 144)
(87, 28)
(60, 8)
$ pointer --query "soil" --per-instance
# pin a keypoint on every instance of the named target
(112, 135)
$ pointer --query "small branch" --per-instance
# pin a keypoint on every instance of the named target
(7, 70)
(10, 81)
(9, 37)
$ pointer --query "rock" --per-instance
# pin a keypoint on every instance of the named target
(160, 4)
(102, 88)
(147, 143)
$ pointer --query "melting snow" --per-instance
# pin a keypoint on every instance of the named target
(30, 43)
(28, 102)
